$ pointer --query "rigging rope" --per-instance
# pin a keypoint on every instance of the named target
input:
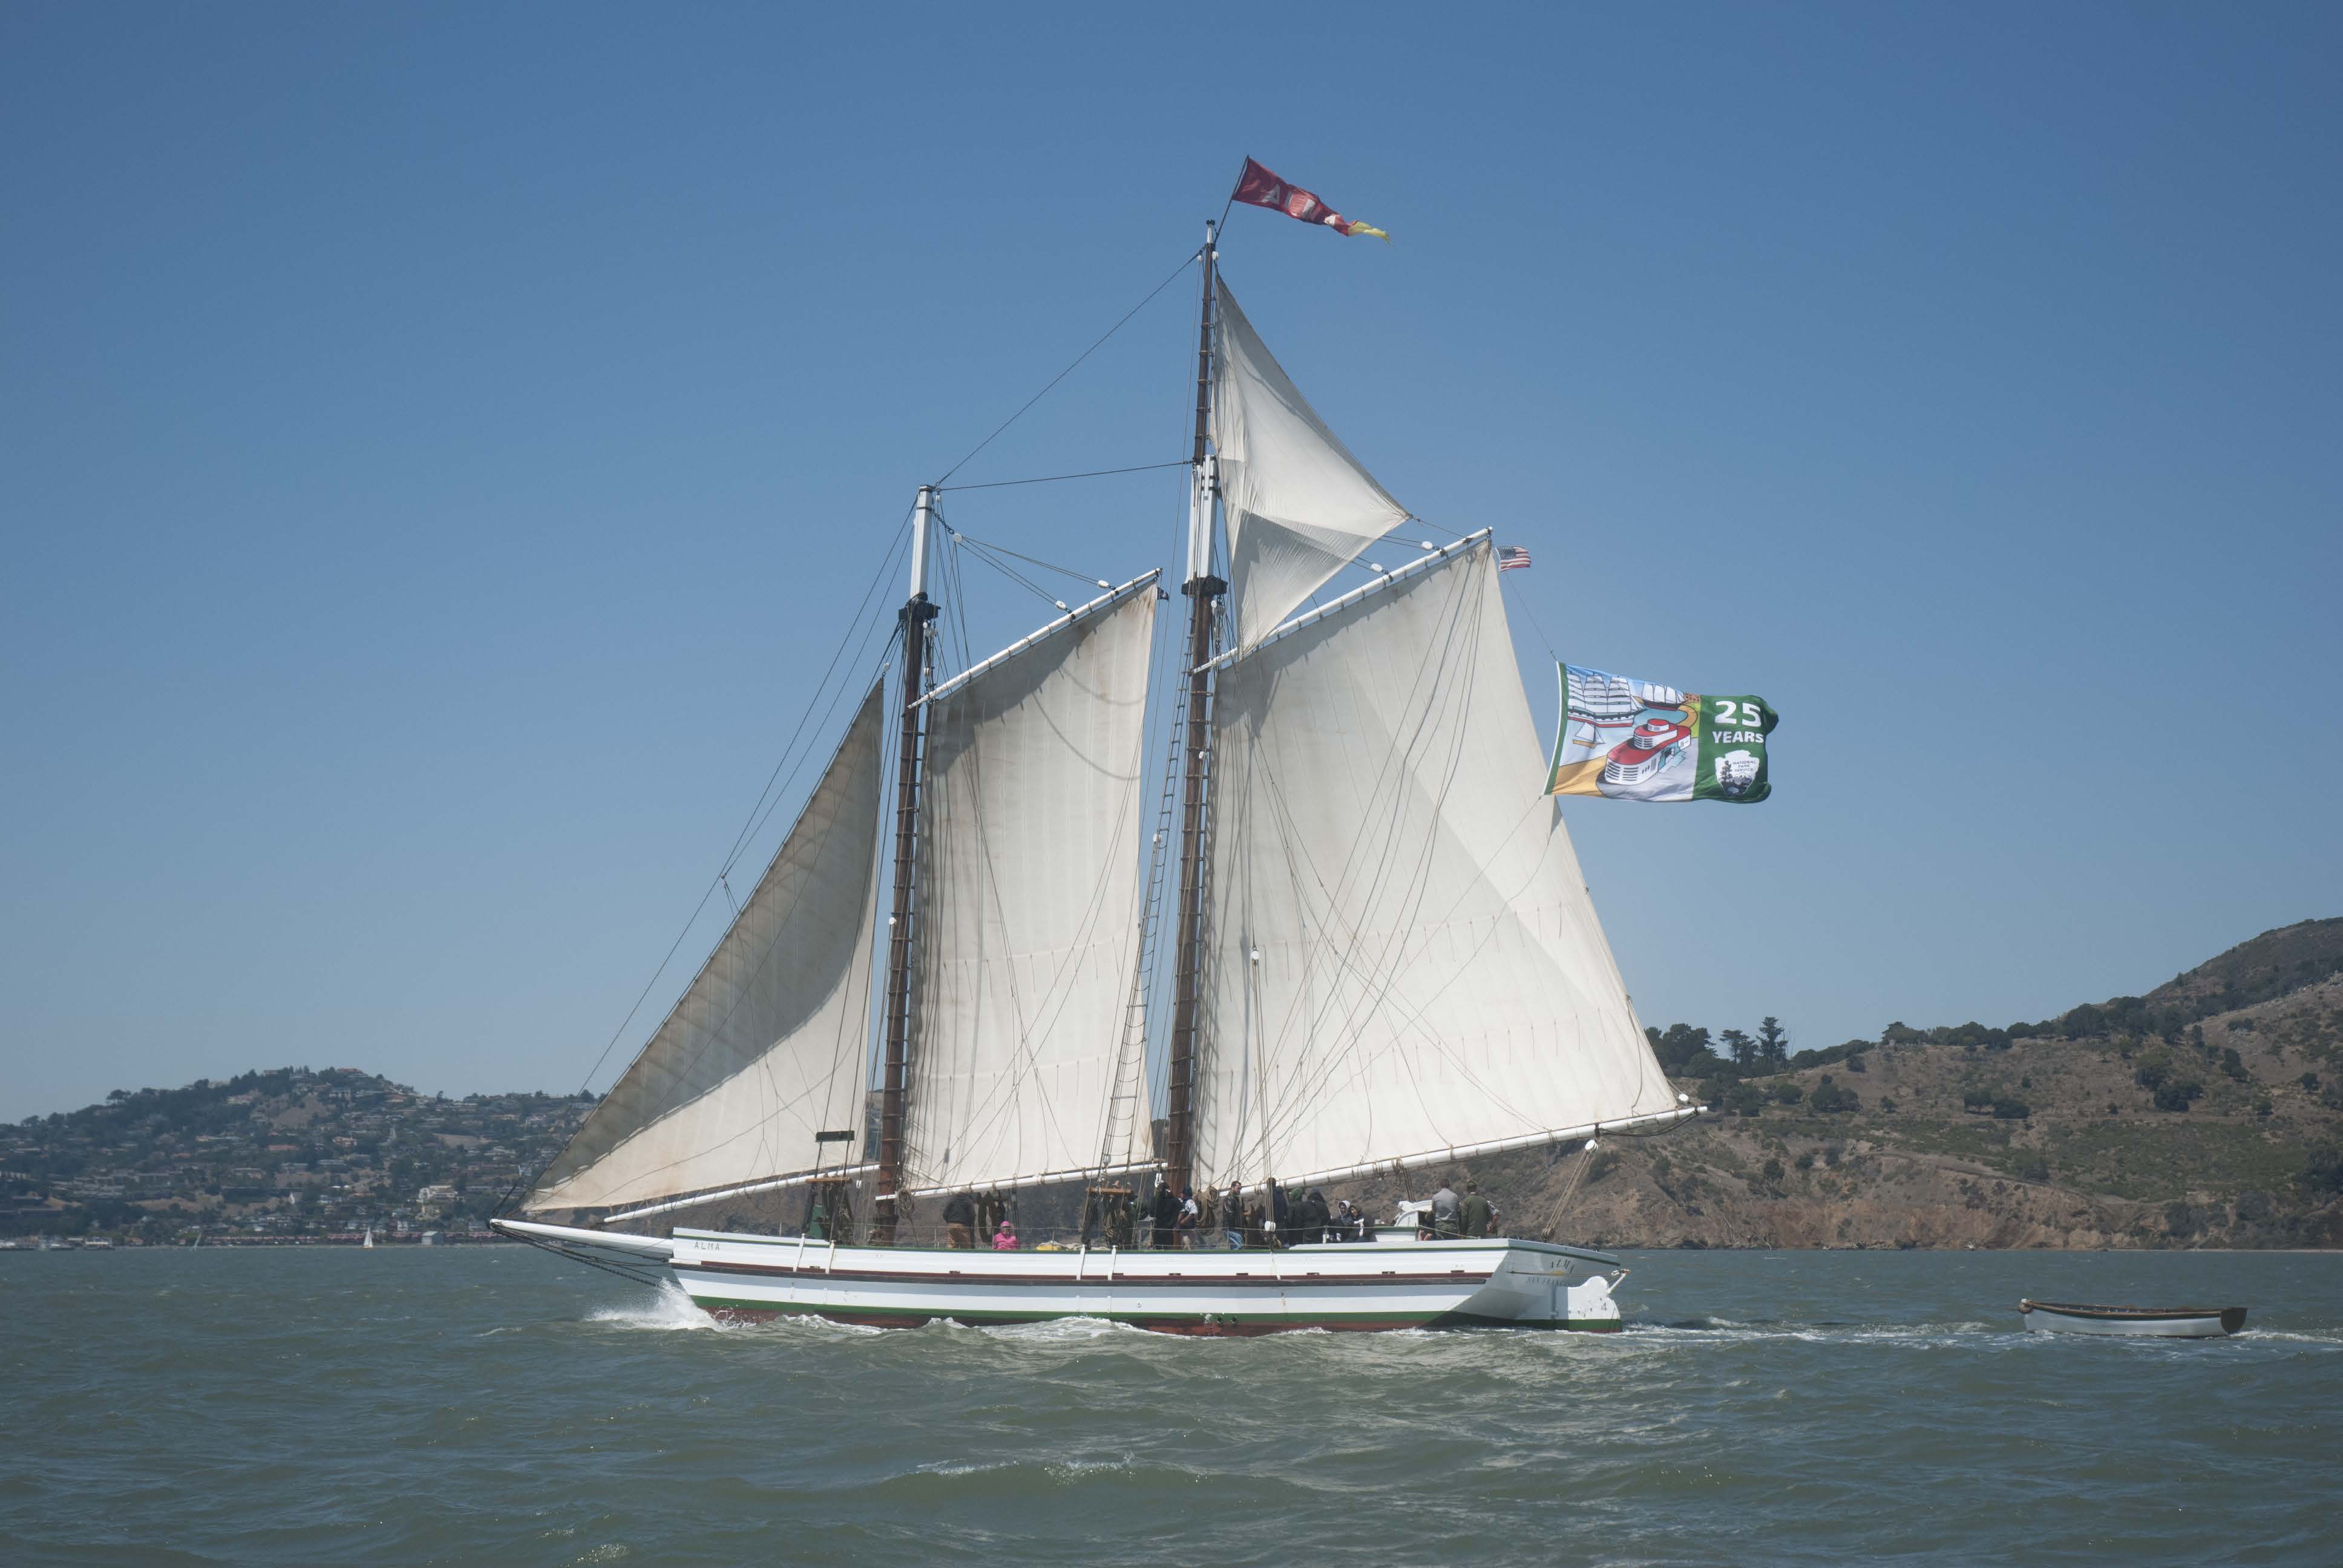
(1569, 1192)
(1054, 478)
(1028, 584)
(1186, 262)
(1033, 560)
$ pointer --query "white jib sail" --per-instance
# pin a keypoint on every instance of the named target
(1029, 899)
(1300, 506)
(766, 1046)
(1404, 959)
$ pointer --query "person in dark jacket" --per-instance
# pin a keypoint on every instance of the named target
(1166, 1215)
(1476, 1213)
(959, 1220)
(1279, 1214)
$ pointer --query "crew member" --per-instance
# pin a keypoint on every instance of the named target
(1446, 1211)
(1166, 1216)
(959, 1221)
(1476, 1213)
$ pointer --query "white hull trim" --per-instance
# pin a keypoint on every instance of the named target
(1349, 1286)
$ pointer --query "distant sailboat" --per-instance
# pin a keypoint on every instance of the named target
(369, 1240)
(1384, 955)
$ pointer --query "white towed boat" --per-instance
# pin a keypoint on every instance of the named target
(2152, 1323)
(1337, 933)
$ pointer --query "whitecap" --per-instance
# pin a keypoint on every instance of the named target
(668, 1309)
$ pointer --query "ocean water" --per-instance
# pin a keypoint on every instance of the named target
(495, 1405)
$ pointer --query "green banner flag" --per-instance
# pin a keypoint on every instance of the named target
(1638, 740)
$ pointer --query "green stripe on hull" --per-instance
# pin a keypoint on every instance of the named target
(1164, 1323)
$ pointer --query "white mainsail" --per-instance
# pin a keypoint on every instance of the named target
(1404, 959)
(1028, 923)
(766, 1048)
(1300, 506)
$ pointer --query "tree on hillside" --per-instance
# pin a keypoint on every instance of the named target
(1742, 1048)
(1773, 1041)
(1829, 1097)
(1682, 1050)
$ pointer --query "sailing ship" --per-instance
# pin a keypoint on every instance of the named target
(1384, 957)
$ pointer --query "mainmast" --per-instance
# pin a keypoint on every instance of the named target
(916, 613)
(1202, 590)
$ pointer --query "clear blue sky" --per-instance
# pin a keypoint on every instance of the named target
(440, 444)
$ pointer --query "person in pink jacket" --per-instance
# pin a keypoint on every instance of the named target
(1004, 1239)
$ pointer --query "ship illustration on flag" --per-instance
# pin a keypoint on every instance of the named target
(1639, 740)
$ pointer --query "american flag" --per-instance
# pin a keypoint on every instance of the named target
(1512, 557)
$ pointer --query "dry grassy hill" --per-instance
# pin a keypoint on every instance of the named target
(2207, 1113)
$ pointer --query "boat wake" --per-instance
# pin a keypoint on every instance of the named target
(2333, 1341)
(1726, 1331)
(669, 1310)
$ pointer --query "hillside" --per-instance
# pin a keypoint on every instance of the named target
(2208, 1113)
(286, 1152)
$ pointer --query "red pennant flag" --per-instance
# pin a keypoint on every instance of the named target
(1260, 187)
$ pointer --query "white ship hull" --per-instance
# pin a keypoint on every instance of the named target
(1396, 1283)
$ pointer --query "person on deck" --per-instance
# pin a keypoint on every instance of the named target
(1190, 1215)
(1476, 1213)
(1445, 1211)
(1166, 1216)
(959, 1221)
(1233, 1216)
(1004, 1239)
(1279, 1214)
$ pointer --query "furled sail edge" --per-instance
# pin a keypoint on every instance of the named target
(683, 998)
(1105, 601)
(1422, 563)
(691, 1199)
(1661, 1119)
(1044, 1179)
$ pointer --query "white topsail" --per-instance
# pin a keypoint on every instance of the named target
(1028, 924)
(766, 1048)
(1405, 958)
(1300, 506)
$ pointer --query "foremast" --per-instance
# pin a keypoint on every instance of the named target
(1203, 590)
(916, 612)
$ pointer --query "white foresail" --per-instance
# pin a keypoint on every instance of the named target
(1029, 899)
(1404, 959)
(1300, 506)
(766, 1046)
